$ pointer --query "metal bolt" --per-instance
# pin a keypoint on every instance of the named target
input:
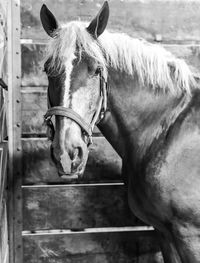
(158, 38)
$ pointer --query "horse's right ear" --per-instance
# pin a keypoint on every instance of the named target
(48, 20)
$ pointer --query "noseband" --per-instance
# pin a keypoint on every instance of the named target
(87, 128)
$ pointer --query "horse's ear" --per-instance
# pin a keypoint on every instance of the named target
(99, 23)
(48, 20)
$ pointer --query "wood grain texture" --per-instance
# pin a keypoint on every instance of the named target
(93, 248)
(4, 249)
(176, 21)
(74, 207)
(3, 115)
(34, 106)
(32, 65)
(3, 172)
(103, 164)
(33, 55)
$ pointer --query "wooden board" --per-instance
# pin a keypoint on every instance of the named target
(4, 249)
(3, 117)
(14, 132)
(34, 106)
(76, 207)
(103, 164)
(33, 55)
(176, 21)
(93, 248)
(32, 65)
(3, 172)
(3, 40)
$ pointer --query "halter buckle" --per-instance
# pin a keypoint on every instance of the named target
(90, 140)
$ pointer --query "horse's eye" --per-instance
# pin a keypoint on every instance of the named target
(97, 72)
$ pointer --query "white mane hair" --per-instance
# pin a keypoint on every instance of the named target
(155, 67)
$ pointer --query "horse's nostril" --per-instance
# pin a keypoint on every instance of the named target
(78, 155)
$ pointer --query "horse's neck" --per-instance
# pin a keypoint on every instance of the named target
(137, 116)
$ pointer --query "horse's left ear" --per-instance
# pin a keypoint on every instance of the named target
(99, 23)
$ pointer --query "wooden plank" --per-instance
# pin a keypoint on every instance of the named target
(34, 106)
(4, 246)
(32, 65)
(33, 54)
(76, 207)
(93, 248)
(3, 172)
(3, 40)
(3, 119)
(103, 164)
(14, 132)
(176, 21)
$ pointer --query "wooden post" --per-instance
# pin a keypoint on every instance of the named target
(14, 132)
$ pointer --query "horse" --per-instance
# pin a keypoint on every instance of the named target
(146, 102)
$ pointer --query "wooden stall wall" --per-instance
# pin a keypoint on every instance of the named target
(89, 221)
(4, 249)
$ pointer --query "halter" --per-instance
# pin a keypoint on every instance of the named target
(87, 128)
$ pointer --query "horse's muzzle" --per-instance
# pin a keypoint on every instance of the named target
(69, 166)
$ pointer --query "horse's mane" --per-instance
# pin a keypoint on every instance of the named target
(154, 66)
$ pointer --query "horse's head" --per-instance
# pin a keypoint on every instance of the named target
(76, 72)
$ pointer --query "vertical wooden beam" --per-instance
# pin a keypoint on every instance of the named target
(14, 132)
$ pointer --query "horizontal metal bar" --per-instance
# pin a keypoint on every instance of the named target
(186, 43)
(39, 138)
(37, 89)
(70, 185)
(33, 41)
(135, 229)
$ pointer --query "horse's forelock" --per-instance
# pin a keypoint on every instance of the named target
(72, 38)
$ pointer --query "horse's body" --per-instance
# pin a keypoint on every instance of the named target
(159, 141)
(152, 121)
